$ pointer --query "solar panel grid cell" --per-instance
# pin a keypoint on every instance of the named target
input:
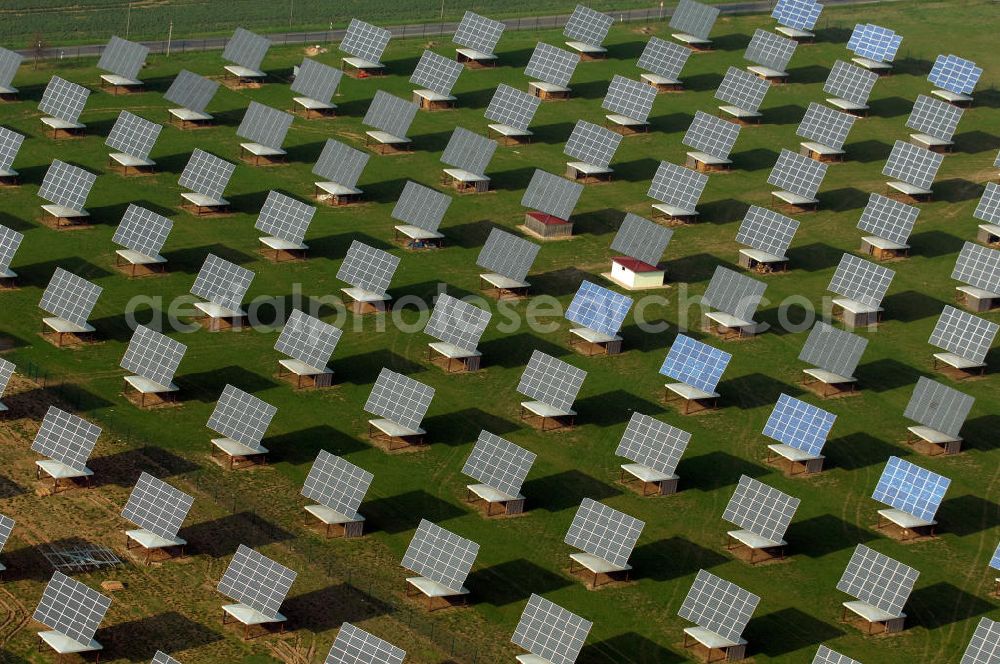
(874, 42)
(978, 266)
(191, 91)
(694, 18)
(340, 163)
(799, 14)
(592, 143)
(206, 174)
(770, 50)
(265, 125)
(984, 647)
(955, 74)
(316, 80)
(365, 41)
(353, 645)
(390, 114)
(825, 125)
(246, 49)
(66, 438)
(123, 58)
(63, 100)
(10, 240)
(157, 507)
(934, 117)
(861, 280)
(456, 322)
(10, 143)
(911, 489)
(6, 372)
(551, 194)
(988, 208)
(507, 255)
(836, 351)
(284, 217)
(133, 135)
(598, 308)
(641, 239)
(850, 82)
(478, 33)
(588, 26)
(733, 293)
(712, 135)
(163, 658)
(512, 107)
(10, 62)
(663, 58)
(826, 656)
(421, 206)
(469, 151)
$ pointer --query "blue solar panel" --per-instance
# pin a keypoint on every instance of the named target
(955, 74)
(697, 364)
(995, 562)
(911, 489)
(874, 42)
(598, 309)
(801, 14)
(799, 424)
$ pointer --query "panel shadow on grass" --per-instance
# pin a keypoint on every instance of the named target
(672, 558)
(814, 257)
(692, 269)
(565, 490)
(943, 604)
(190, 260)
(515, 350)
(513, 581)
(715, 470)
(628, 648)
(469, 235)
(123, 468)
(327, 608)
(756, 159)
(911, 305)
(788, 630)
(9, 488)
(206, 386)
(402, 512)
(889, 107)
(930, 244)
(783, 115)
(867, 151)
(957, 190)
(845, 198)
(825, 534)
(463, 426)
(220, 537)
(25, 563)
(858, 450)
(754, 390)
(980, 433)
(722, 211)
(299, 447)
(597, 222)
(557, 283)
(613, 407)
(138, 640)
(886, 374)
(364, 368)
(968, 515)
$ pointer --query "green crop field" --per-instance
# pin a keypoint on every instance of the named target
(174, 606)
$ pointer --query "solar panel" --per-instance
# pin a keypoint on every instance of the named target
(910, 488)
(498, 463)
(206, 174)
(797, 174)
(436, 73)
(588, 26)
(836, 351)
(222, 282)
(6, 371)
(241, 416)
(995, 561)
(316, 80)
(133, 135)
(718, 605)
(799, 424)
(469, 151)
(826, 656)
(641, 239)
(157, 507)
(458, 323)
(440, 555)
(799, 14)
(770, 50)
(694, 18)
(850, 82)
(825, 125)
(734, 293)
(888, 219)
(761, 509)
(767, 231)
(340, 163)
(551, 194)
(390, 114)
(592, 143)
(743, 89)
(878, 580)
(66, 438)
(10, 143)
(874, 42)
(978, 266)
(337, 483)
(550, 632)
(630, 98)
(66, 185)
(10, 62)
(551, 381)
(861, 280)
(399, 398)
(512, 107)
(663, 58)
(677, 186)
(988, 208)
(963, 334)
(955, 74)
(653, 443)
(935, 117)
(695, 364)
(153, 355)
(163, 658)
(365, 41)
(507, 255)
(6, 526)
(10, 240)
(478, 33)
(256, 581)
(938, 406)
(421, 206)
(984, 647)
(246, 49)
(284, 217)
(711, 135)
(604, 532)
(367, 268)
(308, 339)
(265, 125)
(191, 91)
(70, 297)
(354, 645)
(598, 308)
(63, 100)
(551, 64)
(123, 57)
(71, 608)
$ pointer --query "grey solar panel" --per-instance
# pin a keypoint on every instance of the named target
(71, 608)
(421, 206)
(400, 399)
(550, 632)
(825, 125)
(551, 64)
(963, 334)
(123, 58)
(163, 658)
(365, 41)
(337, 483)
(742, 89)
(206, 174)
(938, 406)
(826, 656)
(712, 135)
(677, 186)
(850, 82)
(390, 114)
(6, 527)
(551, 194)
(761, 509)
(354, 645)
(436, 73)
(734, 293)
(222, 282)
(153, 356)
(861, 280)
(955, 74)
(512, 107)
(368, 268)
(478, 33)
(978, 266)
(988, 208)
(66, 185)
(767, 230)
(592, 144)
(6, 371)
(63, 100)
(157, 507)
(888, 219)
(663, 58)
(910, 488)
(507, 255)
(770, 50)
(695, 364)
(604, 532)
(10, 143)
(934, 117)
(641, 239)
(256, 581)
(284, 217)
(551, 381)
(797, 174)
(308, 339)
(70, 297)
(653, 443)
(630, 98)
(10, 61)
(316, 80)
(498, 463)
(912, 164)
(10, 240)
(718, 606)
(340, 163)
(191, 91)
(133, 135)
(241, 416)
(469, 151)
(878, 580)
(588, 26)
(836, 351)
(66, 438)
(246, 49)
(265, 125)
(440, 555)
(694, 18)
(456, 322)
(984, 647)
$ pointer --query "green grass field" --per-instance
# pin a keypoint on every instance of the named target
(175, 607)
